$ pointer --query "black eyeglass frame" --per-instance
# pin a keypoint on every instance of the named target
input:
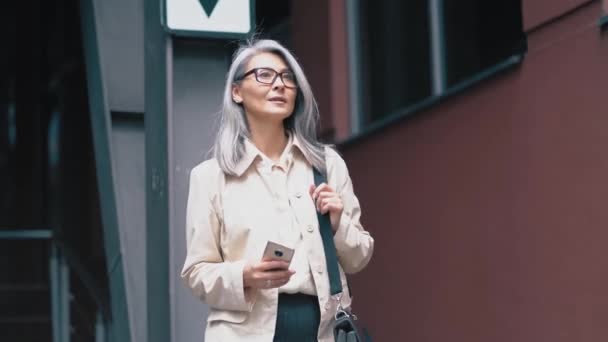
(276, 74)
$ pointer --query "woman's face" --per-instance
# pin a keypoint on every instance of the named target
(266, 102)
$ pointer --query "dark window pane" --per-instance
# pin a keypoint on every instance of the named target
(396, 54)
(396, 57)
(480, 34)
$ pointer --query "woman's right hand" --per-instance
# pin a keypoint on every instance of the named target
(267, 274)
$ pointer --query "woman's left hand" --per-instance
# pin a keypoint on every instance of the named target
(327, 200)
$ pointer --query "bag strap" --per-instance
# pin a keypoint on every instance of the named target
(331, 258)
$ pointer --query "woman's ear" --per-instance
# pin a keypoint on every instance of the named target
(236, 94)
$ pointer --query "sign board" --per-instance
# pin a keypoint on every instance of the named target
(209, 18)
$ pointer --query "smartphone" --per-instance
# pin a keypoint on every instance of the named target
(277, 251)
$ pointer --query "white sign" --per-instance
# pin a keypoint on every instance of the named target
(214, 18)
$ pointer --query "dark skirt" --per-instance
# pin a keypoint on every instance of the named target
(298, 318)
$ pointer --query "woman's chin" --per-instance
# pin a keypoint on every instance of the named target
(278, 114)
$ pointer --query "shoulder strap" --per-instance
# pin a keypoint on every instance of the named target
(335, 285)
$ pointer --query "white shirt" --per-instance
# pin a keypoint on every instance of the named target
(287, 229)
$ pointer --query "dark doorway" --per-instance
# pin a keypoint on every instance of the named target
(49, 206)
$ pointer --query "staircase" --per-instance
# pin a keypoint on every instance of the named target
(25, 295)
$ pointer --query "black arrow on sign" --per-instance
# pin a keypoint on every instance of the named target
(208, 6)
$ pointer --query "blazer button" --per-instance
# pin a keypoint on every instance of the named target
(327, 306)
(310, 229)
(320, 269)
(298, 194)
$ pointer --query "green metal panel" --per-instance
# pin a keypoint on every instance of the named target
(157, 201)
(100, 122)
(100, 329)
(60, 295)
(25, 234)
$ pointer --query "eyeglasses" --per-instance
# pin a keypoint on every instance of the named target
(268, 76)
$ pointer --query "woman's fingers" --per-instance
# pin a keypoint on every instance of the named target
(280, 282)
(311, 190)
(270, 284)
(326, 197)
(322, 187)
(329, 203)
(268, 265)
(273, 269)
(331, 206)
(272, 279)
(276, 275)
(267, 274)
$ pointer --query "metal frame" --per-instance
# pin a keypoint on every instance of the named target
(100, 329)
(25, 234)
(437, 37)
(353, 20)
(60, 295)
(208, 34)
(157, 60)
(101, 128)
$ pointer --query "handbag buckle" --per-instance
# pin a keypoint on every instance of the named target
(340, 310)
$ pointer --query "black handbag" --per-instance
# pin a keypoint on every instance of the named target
(345, 326)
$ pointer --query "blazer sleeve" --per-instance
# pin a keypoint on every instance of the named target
(217, 282)
(354, 245)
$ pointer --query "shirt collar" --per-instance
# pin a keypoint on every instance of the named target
(252, 154)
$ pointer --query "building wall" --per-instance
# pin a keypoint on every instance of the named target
(319, 41)
(538, 12)
(488, 209)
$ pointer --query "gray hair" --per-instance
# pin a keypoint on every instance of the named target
(229, 145)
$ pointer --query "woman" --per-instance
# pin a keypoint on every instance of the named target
(259, 187)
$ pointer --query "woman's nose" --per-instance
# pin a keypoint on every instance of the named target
(278, 82)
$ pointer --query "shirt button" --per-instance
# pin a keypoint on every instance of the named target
(310, 229)
(320, 269)
(298, 194)
(327, 306)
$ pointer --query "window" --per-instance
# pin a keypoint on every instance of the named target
(411, 51)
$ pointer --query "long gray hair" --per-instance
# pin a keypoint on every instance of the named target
(229, 145)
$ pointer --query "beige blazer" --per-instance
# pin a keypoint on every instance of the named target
(229, 221)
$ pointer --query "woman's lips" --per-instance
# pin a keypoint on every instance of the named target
(277, 99)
